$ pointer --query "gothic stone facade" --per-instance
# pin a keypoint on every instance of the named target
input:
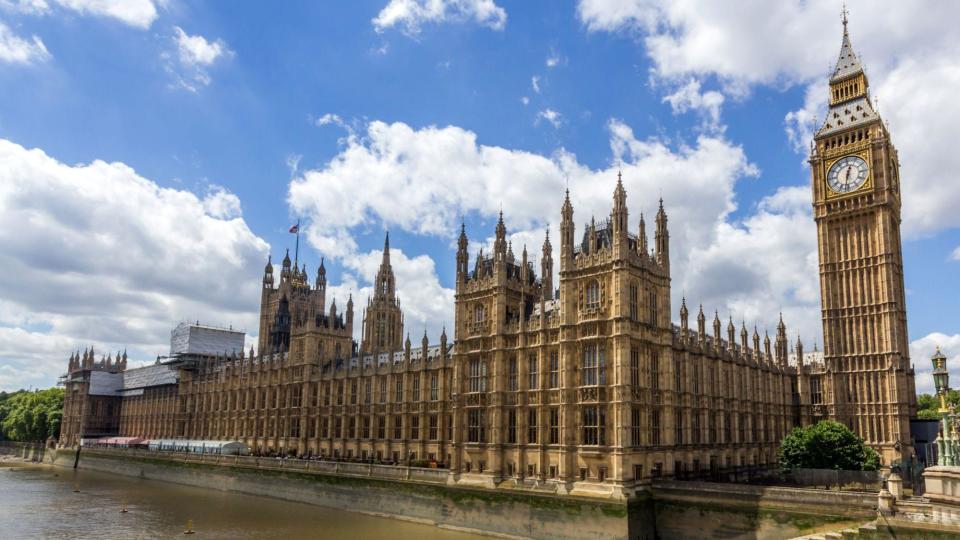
(586, 386)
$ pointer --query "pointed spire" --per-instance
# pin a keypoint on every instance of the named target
(847, 62)
(386, 250)
(662, 237)
(462, 242)
(269, 268)
(286, 260)
(463, 258)
(500, 243)
(642, 237)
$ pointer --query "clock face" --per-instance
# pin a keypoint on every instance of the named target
(847, 174)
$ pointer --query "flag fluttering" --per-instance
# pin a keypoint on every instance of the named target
(294, 229)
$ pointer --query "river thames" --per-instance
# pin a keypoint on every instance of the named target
(40, 502)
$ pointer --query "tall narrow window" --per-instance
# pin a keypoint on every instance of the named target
(383, 389)
(678, 375)
(634, 308)
(512, 426)
(479, 313)
(434, 432)
(816, 391)
(635, 416)
(353, 392)
(434, 385)
(477, 375)
(398, 388)
(654, 370)
(655, 427)
(652, 307)
(594, 425)
(532, 373)
(635, 368)
(593, 370)
(368, 391)
(398, 428)
(512, 374)
(475, 427)
(415, 427)
(554, 369)
(678, 427)
(416, 387)
(532, 426)
(593, 294)
(554, 426)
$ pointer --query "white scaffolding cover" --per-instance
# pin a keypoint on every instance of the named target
(189, 338)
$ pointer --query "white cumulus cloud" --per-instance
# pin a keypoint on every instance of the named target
(95, 254)
(688, 97)
(17, 50)
(551, 116)
(922, 349)
(194, 56)
(906, 56)
(411, 15)
(136, 13)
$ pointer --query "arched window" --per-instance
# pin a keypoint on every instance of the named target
(593, 294)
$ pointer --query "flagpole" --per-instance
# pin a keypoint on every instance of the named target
(296, 251)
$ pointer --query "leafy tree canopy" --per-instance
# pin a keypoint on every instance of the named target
(31, 416)
(827, 445)
(928, 405)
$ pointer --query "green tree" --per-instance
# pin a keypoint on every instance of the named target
(827, 445)
(928, 405)
(31, 416)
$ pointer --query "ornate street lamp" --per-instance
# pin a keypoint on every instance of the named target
(941, 378)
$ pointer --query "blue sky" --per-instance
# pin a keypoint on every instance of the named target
(155, 152)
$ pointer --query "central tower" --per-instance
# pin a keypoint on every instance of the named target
(867, 379)
(383, 319)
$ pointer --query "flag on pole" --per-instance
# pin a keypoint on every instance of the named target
(295, 229)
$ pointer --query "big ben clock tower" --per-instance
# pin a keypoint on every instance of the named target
(867, 379)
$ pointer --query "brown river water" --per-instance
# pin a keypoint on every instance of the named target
(40, 502)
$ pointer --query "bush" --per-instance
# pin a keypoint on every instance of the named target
(826, 445)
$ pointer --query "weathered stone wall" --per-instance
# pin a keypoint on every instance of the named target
(675, 510)
(504, 513)
(25, 451)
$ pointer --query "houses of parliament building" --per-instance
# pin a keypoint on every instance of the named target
(585, 384)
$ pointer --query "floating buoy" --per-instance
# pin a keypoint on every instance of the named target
(76, 488)
(189, 527)
(123, 508)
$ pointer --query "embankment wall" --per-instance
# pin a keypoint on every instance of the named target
(669, 510)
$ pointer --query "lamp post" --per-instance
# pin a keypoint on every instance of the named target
(941, 380)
